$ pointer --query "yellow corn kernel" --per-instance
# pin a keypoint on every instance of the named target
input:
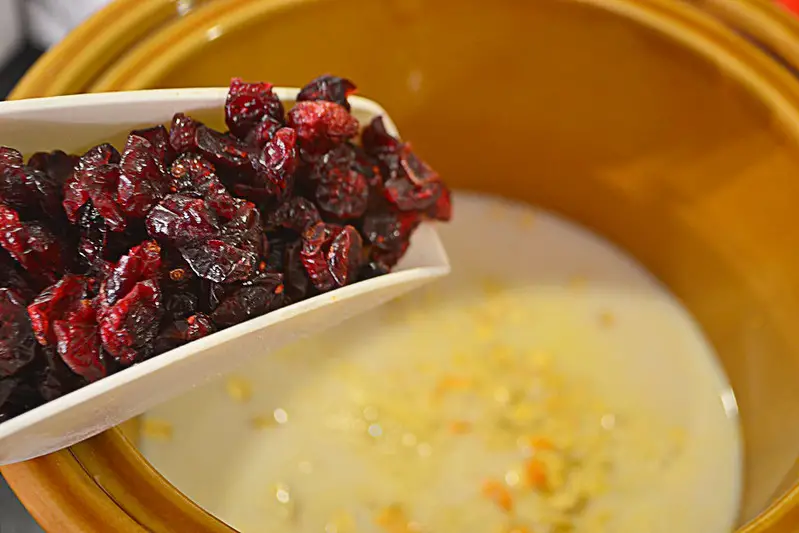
(239, 389)
(156, 429)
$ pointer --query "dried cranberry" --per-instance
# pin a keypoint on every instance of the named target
(142, 182)
(378, 143)
(158, 137)
(321, 125)
(248, 104)
(389, 230)
(222, 149)
(12, 277)
(93, 234)
(344, 256)
(442, 209)
(56, 164)
(56, 379)
(344, 196)
(96, 178)
(102, 154)
(211, 294)
(263, 132)
(181, 305)
(180, 332)
(10, 157)
(224, 204)
(417, 187)
(54, 303)
(331, 255)
(245, 229)
(180, 219)
(220, 262)
(142, 263)
(32, 245)
(31, 192)
(366, 165)
(191, 173)
(130, 325)
(274, 168)
(17, 344)
(372, 269)
(250, 301)
(182, 133)
(295, 278)
(328, 88)
(78, 343)
(296, 214)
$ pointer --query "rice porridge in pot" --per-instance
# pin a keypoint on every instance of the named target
(549, 385)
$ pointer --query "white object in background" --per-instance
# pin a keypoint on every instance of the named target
(10, 29)
(74, 122)
(51, 20)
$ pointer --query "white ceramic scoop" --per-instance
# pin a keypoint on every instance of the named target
(75, 123)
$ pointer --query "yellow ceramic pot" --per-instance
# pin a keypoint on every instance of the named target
(651, 121)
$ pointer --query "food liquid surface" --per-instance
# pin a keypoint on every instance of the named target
(549, 385)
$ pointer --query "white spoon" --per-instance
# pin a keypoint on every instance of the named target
(74, 123)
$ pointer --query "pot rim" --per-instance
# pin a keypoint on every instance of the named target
(145, 500)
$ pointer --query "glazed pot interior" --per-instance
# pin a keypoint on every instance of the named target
(583, 111)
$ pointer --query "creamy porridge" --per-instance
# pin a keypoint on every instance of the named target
(550, 385)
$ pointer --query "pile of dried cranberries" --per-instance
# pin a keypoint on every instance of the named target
(110, 258)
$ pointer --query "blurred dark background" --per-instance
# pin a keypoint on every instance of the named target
(13, 517)
(18, 56)
(13, 69)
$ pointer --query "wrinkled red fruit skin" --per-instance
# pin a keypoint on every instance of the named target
(389, 231)
(93, 234)
(328, 88)
(221, 262)
(344, 256)
(142, 263)
(17, 345)
(10, 157)
(248, 104)
(410, 184)
(274, 168)
(331, 255)
(321, 125)
(191, 173)
(263, 132)
(131, 324)
(52, 304)
(296, 214)
(179, 220)
(295, 278)
(222, 149)
(32, 245)
(56, 378)
(96, 178)
(158, 137)
(343, 196)
(417, 187)
(142, 182)
(182, 133)
(181, 332)
(56, 164)
(264, 295)
(32, 193)
(78, 342)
